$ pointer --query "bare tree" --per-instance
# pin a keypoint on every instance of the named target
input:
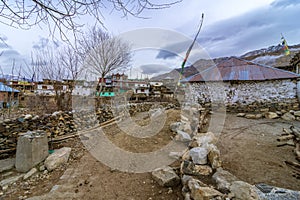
(48, 67)
(65, 15)
(103, 53)
(61, 67)
(71, 61)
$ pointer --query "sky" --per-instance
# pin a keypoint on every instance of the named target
(230, 28)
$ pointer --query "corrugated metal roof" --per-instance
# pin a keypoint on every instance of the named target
(240, 70)
(5, 88)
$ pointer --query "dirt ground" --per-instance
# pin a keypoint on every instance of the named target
(248, 150)
(87, 178)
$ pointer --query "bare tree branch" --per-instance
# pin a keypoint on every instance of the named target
(65, 15)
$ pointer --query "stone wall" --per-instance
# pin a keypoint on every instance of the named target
(64, 123)
(280, 94)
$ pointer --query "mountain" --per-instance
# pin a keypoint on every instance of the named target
(272, 56)
(197, 67)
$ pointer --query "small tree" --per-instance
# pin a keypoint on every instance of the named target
(103, 53)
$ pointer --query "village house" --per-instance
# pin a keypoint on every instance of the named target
(243, 83)
(9, 97)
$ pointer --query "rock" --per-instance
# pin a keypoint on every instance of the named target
(30, 173)
(263, 110)
(240, 190)
(250, 116)
(35, 118)
(186, 127)
(186, 156)
(27, 117)
(59, 157)
(42, 168)
(203, 140)
(214, 157)
(199, 192)
(199, 155)
(204, 170)
(288, 117)
(271, 115)
(10, 180)
(241, 114)
(183, 136)
(269, 192)
(297, 113)
(189, 168)
(166, 177)
(224, 179)
(7, 164)
(32, 148)
(258, 116)
(175, 126)
(185, 179)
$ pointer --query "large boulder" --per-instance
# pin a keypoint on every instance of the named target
(166, 177)
(58, 158)
(32, 148)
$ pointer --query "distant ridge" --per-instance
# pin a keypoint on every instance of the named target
(272, 56)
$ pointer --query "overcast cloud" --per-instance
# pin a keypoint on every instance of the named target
(231, 27)
(152, 69)
(252, 30)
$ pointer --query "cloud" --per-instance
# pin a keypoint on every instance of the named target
(255, 29)
(45, 42)
(9, 57)
(285, 3)
(151, 69)
(10, 53)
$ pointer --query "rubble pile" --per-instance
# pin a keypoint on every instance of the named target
(201, 172)
(291, 137)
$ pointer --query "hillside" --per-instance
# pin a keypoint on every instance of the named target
(272, 56)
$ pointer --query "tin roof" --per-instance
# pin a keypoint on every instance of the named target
(5, 88)
(240, 70)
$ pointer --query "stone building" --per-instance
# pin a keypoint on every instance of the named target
(9, 97)
(238, 82)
